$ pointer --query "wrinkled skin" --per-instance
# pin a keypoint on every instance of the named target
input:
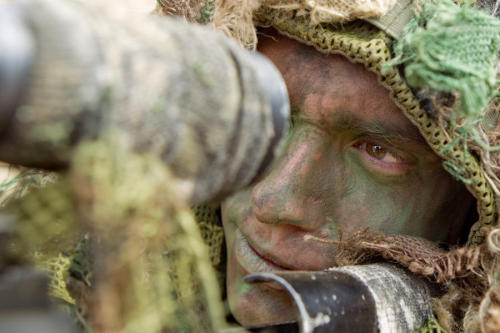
(352, 160)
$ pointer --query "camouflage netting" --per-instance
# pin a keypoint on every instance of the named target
(191, 10)
(140, 238)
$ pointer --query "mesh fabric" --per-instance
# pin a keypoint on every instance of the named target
(210, 224)
(211, 231)
(432, 326)
(57, 269)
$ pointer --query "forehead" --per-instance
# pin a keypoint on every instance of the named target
(327, 86)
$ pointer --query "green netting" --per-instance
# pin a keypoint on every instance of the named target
(432, 326)
(452, 49)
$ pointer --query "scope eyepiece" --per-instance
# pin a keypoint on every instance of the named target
(16, 59)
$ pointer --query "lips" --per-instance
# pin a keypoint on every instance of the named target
(272, 263)
(250, 260)
(285, 246)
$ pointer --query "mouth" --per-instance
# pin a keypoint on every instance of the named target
(251, 260)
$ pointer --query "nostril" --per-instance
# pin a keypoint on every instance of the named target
(277, 208)
(267, 204)
(256, 198)
(263, 207)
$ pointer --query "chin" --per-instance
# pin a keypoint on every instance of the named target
(256, 304)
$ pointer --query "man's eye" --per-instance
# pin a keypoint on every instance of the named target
(381, 158)
(379, 152)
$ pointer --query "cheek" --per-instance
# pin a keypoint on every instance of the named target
(359, 202)
(420, 206)
(440, 204)
(364, 208)
(367, 203)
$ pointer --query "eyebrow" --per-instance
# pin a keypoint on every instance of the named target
(384, 130)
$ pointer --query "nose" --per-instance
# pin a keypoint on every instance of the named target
(289, 194)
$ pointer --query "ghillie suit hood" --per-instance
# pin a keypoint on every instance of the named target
(439, 60)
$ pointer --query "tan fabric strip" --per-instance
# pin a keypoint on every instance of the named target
(396, 19)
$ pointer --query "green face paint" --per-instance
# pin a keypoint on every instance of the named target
(352, 161)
